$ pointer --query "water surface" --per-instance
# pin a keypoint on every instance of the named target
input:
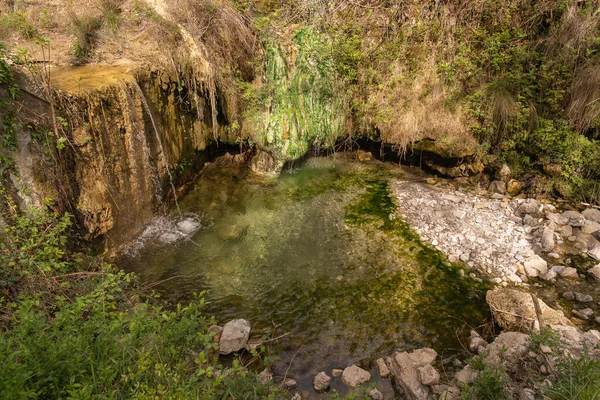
(315, 254)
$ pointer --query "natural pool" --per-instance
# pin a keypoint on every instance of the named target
(313, 253)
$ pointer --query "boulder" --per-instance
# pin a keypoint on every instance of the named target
(590, 227)
(265, 377)
(592, 214)
(382, 368)
(535, 266)
(595, 251)
(558, 219)
(514, 187)
(405, 371)
(354, 376)
(428, 375)
(234, 336)
(476, 341)
(515, 310)
(547, 240)
(466, 375)
(529, 206)
(321, 382)
(508, 349)
(375, 394)
(595, 272)
(575, 218)
(497, 187)
(505, 173)
(582, 297)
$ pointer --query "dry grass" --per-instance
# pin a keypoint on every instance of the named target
(584, 109)
(574, 32)
(417, 109)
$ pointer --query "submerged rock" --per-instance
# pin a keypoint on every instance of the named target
(234, 336)
(354, 376)
(321, 382)
(375, 394)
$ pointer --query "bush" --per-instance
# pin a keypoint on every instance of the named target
(74, 332)
(576, 379)
(19, 22)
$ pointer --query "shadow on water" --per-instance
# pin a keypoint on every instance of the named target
(317, 253)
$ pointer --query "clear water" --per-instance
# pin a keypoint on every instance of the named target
(313, 253)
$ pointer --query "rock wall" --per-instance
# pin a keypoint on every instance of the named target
(128, 145)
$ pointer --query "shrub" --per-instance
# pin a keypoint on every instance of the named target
(576, 379)
(20, 23)
(85, 28)
(74, 327)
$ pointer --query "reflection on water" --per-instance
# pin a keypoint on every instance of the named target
(313, 253)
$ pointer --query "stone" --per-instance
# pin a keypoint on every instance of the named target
(514, 187)
(529, 206)
(336, 371)
(289, 384)
(406, 375)
(508, 348)
(514, 310)
(504, 172)
(234, 336)
(354, 376)
(547, 240)
(583, 298)
(382, 368)
(476, 341)
(466, 375)
(498, 187)
(375, 394)
(595, 272)
(460, 214)
(550, 275)
(558, 219)
(452, 393)
(239, 159)
(586, 239)
(535, 266)
(591, 214)
(528, 220)
(545, 349)
(265, 377)
(428, 375)
(586, 312)
(595, 251)
(574, 218)
(452, 198)
(590, 227)
(321, 382)
(364, 156)
(566, 231)
(297, 396)
(217, 330)
(263, 163)
(422, 357)
(569, 273)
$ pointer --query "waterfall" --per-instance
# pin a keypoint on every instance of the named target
(147, 108)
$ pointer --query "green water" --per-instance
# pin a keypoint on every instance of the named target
(316, 254)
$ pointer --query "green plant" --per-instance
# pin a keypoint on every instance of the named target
(576, 379)
(111, 14)
(20, 23)
(489, 385)
(547, 337)
(75, 327)
(85, 28)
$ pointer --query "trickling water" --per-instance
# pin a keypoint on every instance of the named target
(315, 253)
(158, 139)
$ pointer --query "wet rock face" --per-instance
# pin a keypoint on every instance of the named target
(263, 163)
